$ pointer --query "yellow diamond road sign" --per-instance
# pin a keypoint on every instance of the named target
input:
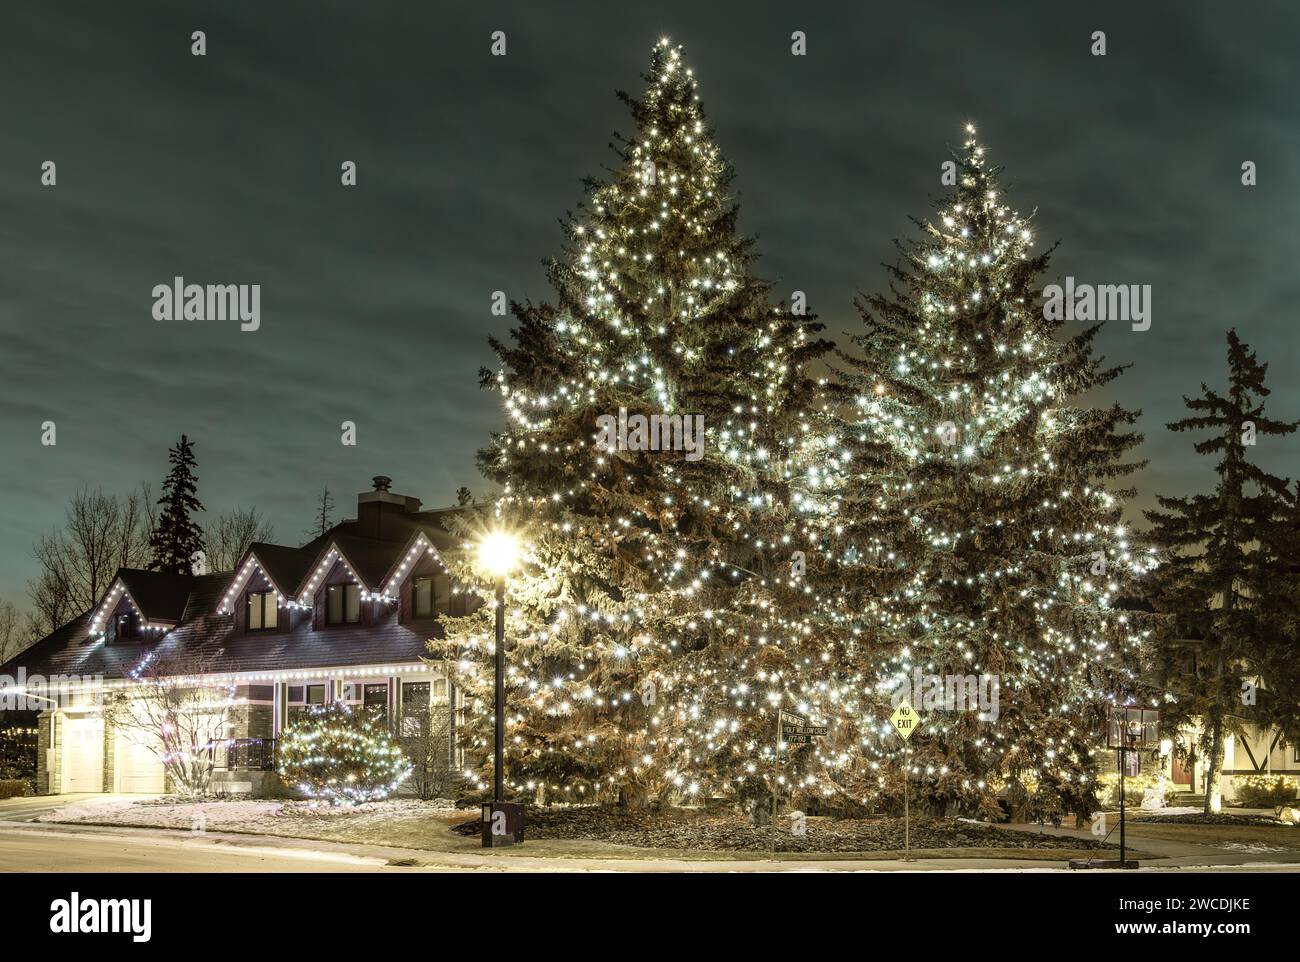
(904, 719)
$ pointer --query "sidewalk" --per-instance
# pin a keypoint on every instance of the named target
(351, 856)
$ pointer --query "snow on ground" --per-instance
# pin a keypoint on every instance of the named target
(238, 815)
(1250, 847)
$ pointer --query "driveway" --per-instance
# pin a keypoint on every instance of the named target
(28, 809)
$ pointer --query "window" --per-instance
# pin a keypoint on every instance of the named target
(415, 709)
(415, 695)
(422, 598)
(263, 613)
(128, 626)
(342, 604)
(430, 596)
(300, 696)
(374, 700)
(1295, 754)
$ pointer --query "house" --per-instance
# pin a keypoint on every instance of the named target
(1256, 752)
(345, 617)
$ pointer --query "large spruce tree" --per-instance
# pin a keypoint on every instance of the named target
(647, 627)
(978, 531)
(1229, 551)
(178, 536)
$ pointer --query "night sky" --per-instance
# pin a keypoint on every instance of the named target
(375, 299)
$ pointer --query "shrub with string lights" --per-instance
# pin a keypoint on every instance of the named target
(334, 753)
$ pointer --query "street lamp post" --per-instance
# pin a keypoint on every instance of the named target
(503, 822)
(499, 698)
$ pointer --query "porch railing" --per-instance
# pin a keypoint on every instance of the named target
(246, 754)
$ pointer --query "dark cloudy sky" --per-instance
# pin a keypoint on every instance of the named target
(375, 300)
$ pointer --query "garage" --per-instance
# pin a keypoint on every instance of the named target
(83, 755)
(136, 765)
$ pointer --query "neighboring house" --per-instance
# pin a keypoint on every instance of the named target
(345, 617)
(1261, 752)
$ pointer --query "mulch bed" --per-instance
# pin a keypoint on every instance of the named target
(688, 829)
(1200, 818)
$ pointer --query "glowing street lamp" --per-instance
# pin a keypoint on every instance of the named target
(498, 556)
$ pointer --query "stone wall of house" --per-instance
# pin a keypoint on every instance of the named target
(110, 755)
(252, 720)
(46, 780)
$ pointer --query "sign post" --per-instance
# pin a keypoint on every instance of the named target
(905, 719)
(791, 729)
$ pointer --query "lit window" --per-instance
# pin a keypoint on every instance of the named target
(263, 614)
(342, 604)
(128, 626)
(430, 596)
(422, 598)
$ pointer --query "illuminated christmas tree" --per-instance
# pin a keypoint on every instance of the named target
(657, 412)
(977, 539)
(333, 753)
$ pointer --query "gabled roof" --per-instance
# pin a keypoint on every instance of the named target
(419, 543)
(285, 566)
(200, 628)
(372, 561)
(159, 596)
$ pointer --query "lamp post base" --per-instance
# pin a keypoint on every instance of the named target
(502, 824)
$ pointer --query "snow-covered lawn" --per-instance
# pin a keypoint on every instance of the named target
(403, 822)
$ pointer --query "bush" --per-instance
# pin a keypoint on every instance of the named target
(332, 752)
(15, 788)
(1135, 788)
(1261, 791)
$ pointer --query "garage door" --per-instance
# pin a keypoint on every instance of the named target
(83, 755)
(137, 768)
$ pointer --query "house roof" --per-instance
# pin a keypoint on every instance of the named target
(206, 640)
(160, 596)
(285, 566)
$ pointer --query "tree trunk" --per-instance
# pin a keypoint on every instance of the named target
(1215, 762)
(633, 797)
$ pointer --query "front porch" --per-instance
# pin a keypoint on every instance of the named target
(81, 750)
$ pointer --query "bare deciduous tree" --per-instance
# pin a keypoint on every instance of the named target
(14, 636)
(324, 519)
(179, 711)
(101, 533)
(230, 536)
(427, 747)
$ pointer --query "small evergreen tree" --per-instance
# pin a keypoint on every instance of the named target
(178, 537)
(1225, 554)
(334, 753)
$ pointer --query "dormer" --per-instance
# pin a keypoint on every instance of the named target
(261, 595)
(140, 606)
(420, 583)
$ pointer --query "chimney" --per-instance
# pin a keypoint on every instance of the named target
(378, 510)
